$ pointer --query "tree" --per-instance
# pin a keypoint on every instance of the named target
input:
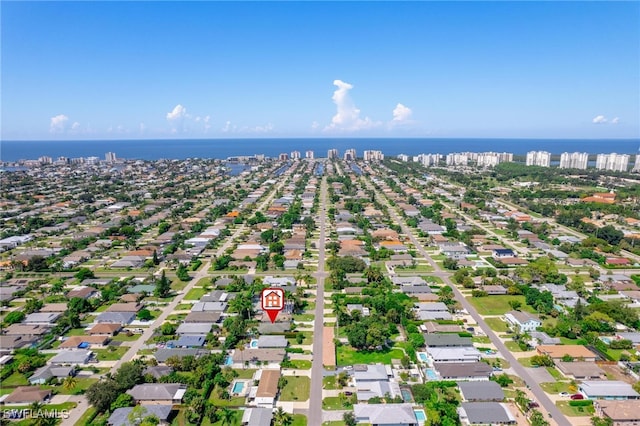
(600, 421)
(349, 418)
(144, 315)
(168, 329)
(69, 383)
(373, 274)
(226, 416)
(123, 400)
(102, 394)
(83, 274)
(163, 286)
(515, 305)
(32, 305)
(451, 264)
(282, 418)
(128, 375)
(14, 317)
(182, 273)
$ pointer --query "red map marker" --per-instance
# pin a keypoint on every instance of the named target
(272, 302)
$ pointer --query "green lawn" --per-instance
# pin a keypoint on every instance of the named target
(296, 389)
(15, 379)
(555, 373)
(245, 374)
(513, 346)
(555, 387)
(570, 411)
(122, 337)
(497, 324)
(195, 293)
(82, 383)
(232, 402)
(329, 382)
(87, 416)
(304, 317)
(349, 356)
(76, 332)
(525, 362)
(299, 420)
(498, 305)
(308, 338)
(481, 339)
(336, 403)
(109, 355)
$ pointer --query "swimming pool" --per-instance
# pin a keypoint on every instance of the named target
(406, 395)
(431, 375)
(228, 361)
(253, 344)
(420, 415)
(422, 356)
(238, 387)
(606, 340)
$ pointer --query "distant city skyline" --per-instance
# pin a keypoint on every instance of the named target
(165, 70)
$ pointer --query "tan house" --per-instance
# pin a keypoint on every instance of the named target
(577, 352)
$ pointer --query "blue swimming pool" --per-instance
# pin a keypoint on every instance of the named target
(420, 415)
(423, 356)
(254, 344)
(406, 395)
(238, 387)
(228, 361)
(431, 375)
(606, 340)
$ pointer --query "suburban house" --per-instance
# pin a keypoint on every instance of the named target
(446, 340)
(28, 395)
(267, 391)
(523, 321)
(502, 253)
(620, 412)
(257, 416)
(252, 356)
(581, 370)
(385, 414)
(374, 381)
(158, 393)
(432, 311)
(44, 373)
(464, 371)
(607, 389)
(73, 357)
(485, 413)
(456, 354)
(272, 342)
(107, 329)
(577, 352)
(161, 355)
(120, 416)
(481, 391)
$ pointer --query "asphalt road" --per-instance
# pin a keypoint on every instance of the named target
(314, 417)
(556, 416)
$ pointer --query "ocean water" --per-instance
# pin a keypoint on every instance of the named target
(224, 148)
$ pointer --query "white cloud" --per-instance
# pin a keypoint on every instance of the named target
(262, 129)
(401, 113)
(207, 123)
(347, 116)
(601, 119)
(178, 113)
(228, 127)
(58, 123)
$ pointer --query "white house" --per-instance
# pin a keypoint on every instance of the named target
(523, 321)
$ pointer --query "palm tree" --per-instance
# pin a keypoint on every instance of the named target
(69, 383)
(282, 418)
(227, 416)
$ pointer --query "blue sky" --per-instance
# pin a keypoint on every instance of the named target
(87, 70)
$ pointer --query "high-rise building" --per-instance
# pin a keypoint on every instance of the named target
(613, 161)
(349, 155)
(110, 157)
(428, 159)
(92, 160)
(283, 157)
(295, 155)
(309, 155)
(574, 160)
(457, 159)
(332, 153)
(538, 158)
(373, 156)
(45, 160)
(636, 165)
(403, 157)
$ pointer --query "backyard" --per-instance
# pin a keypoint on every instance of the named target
(498, 305)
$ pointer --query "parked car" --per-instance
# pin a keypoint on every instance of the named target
(564, 394)
(577, 396)
(533, 404)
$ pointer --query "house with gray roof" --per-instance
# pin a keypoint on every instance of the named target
(273, 328)
(481, 391)
(523, 321)
(485, 413)
(209, 307)
(42, 318)
(607, 389)
(278, 281)
(158, 371)
(188, 341)
(194, 328)
(122, 318)
(402, 281)
(454, 354)
(162, 354)
(120, 416)
(446, 340)
(46, 372)
(581, 370)
(73, 357)
(467, 371)
(272, 341)
(257, 416)
(385, 414)
(158, 393)
(203, 317)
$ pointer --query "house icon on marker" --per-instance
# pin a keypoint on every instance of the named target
(272, 300)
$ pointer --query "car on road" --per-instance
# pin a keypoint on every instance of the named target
(564, 394)
(348, 367)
